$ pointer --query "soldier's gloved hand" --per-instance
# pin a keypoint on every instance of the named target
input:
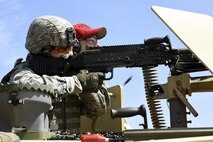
(90, 81)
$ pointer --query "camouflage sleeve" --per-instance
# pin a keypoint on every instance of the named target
(95, 103)
(62, 85)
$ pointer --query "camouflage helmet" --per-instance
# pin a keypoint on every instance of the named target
(47, 31)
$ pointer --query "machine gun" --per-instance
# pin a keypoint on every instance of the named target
(158, 51)
(154, 52)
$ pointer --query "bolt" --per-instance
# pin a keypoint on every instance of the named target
(9, 102)
(178, 83)
(20, 101)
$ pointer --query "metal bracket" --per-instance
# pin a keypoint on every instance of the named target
(182, 97)
(177, 86)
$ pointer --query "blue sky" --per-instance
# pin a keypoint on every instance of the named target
(127, 22)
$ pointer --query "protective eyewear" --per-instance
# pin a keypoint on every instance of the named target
(61, 49)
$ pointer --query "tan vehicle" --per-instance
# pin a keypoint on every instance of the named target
(193, 29)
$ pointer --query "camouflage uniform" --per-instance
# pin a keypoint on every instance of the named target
(94, 103)
(51, 32)
(61, 85)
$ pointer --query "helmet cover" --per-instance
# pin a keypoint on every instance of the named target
(47, 31)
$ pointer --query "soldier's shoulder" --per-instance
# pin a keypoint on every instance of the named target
(9, 137)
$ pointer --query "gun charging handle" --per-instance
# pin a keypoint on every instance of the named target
(129, 112)
(158, 40)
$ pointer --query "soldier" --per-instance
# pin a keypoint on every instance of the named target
(87, 37)
(50, 41)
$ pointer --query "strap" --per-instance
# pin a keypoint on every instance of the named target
(6, 78)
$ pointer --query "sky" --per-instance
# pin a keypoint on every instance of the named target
(127, 22)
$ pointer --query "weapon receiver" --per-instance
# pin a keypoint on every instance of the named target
(154, 52)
